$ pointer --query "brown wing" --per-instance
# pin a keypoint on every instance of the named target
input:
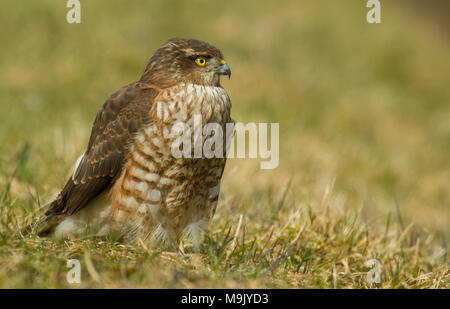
(121, 116)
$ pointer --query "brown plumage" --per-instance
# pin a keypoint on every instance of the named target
(120, 117)
(127, 176)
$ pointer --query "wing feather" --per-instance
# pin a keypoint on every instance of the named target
(114, 127)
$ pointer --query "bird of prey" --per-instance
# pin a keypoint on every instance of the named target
(128, 178)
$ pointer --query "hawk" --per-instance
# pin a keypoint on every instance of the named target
(128, 179)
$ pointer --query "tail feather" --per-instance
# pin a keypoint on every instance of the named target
(46, 225)
(43, 228)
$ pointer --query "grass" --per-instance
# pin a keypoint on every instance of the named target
(364, 142)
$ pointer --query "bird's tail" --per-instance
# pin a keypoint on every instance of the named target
(42, 228)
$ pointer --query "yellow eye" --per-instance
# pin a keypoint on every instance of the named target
(201, 61)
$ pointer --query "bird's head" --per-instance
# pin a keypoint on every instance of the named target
(188, 61)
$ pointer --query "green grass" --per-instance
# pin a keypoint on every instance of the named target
(364, 141)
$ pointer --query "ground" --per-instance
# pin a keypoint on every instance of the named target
(364, 141)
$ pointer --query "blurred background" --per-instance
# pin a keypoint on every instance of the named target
(363, 106)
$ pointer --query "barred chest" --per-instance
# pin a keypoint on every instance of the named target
(172, 191)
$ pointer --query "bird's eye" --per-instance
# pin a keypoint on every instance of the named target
(201, 61)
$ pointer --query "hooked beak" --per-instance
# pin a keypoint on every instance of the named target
(224, 69)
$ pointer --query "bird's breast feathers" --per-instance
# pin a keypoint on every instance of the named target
(183, 101)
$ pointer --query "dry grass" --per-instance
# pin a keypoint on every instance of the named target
(364, 142)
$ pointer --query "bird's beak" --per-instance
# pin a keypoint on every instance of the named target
(224, 69)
